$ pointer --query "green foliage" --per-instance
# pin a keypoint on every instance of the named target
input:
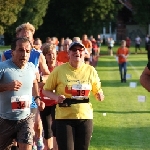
(76, 17)
(141, 11)
(8, 12)
(33, 12)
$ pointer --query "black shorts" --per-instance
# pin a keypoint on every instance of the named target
(48, 121)
(109, 47)
(137, 46)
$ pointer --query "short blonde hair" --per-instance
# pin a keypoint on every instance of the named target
(47, 48)
(25, 26)
(123, 42)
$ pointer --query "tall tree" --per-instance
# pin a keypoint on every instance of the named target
(33, 11)
(76, 17)
(8, 12)
(141, 10)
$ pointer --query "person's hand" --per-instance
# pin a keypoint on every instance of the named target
(61, 98)
(14, 85)
(100, 96)
(40, 104)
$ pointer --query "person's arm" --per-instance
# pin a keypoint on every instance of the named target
(35, 88)
(52, 95)
(43, 66)
(12, 86)
(35, 94)
(145, 79)
(3, 57)
(96, 87)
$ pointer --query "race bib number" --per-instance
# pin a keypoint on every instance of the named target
(80, 91)
(20, 103)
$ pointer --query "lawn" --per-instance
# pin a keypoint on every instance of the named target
(126, 125)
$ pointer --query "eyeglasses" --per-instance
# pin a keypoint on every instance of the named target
(75, 49)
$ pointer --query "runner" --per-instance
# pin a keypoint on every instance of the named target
(88, 45)
(72, 83)
(48, 114)
(38, 60)
(17, 77)
(63, 55)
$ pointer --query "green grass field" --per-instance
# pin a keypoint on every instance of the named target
(126, 125)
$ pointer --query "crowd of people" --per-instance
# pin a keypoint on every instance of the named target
(44, 92)
(45, 89)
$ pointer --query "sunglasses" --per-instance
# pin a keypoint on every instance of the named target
(75, 49)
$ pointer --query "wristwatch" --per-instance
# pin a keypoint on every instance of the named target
(36, 97)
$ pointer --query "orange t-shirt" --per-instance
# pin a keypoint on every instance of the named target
(62, 56)
(87, 43)
(124, 51)
(88, 46)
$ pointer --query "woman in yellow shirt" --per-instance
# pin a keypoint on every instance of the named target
(72, 83)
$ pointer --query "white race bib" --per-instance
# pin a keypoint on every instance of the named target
(20, 103)
(80, 91)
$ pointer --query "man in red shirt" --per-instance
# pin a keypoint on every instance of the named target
(122, 54)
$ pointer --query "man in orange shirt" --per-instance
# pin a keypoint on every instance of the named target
(63, 55)
(122, 54)
(88, 45)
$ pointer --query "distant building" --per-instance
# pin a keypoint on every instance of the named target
(126, 26)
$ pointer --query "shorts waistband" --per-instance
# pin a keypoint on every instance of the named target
(68, 101)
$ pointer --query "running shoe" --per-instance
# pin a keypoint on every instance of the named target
(40, 144)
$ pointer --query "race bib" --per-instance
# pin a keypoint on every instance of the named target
(20, 103)
(80, 91)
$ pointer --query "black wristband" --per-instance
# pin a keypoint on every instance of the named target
(36, 97)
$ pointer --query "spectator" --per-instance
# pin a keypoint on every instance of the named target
(99, 42)
(122, 54)
(111, 43)
(137, 44)
(128, 42)
(146, 42)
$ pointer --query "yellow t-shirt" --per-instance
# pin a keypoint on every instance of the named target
(74, 83)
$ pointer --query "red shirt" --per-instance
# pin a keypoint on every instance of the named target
(128, 42)
(62, 56)
(45, 99)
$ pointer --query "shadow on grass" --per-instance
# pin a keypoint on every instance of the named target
(117, 83)
(121, 138)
